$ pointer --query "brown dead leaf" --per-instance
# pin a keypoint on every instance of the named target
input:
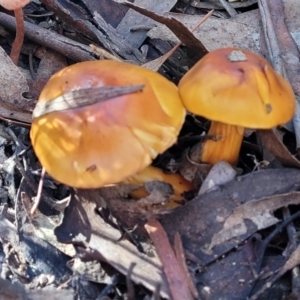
(13, 105)
(181, 258)
(111, 12)
(174, 273)
(48, 259)
(292, 262)
(204, 217)
(232, 276)
(276, 147)
(83, 226)
(219, 174)
(155, 64)
(13, 84)
(44, 226)
(128, 27)
(284, 52)
(259, 212)
(183, 33)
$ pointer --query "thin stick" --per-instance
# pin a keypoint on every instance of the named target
(179, 290)
(155, 64)
(39, 193)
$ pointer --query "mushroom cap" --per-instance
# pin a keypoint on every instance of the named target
(237, 87)
(13, 4)
(104, 143)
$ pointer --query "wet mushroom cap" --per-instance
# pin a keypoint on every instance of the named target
(104, 143)
(237, 87)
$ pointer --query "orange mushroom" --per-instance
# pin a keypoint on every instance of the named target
(235, 89)
(16, 6)
(104, 143)
(179, 184)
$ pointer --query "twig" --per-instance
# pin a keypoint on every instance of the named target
(231, 11)
(264, 246)
(103, 53)
(52, 40)
(270, 37)
(114, 281)
(173, 272)
(30, 56)
(291, 231)
(288, 52)
(179, 252)
(39, 193)
(129, 284)
(16, 140)
(155, 64)
(25, 175)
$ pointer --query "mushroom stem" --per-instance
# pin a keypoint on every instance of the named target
(226, 146)
(178, 183)
(18, 42)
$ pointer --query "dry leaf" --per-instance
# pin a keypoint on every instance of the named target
(283, 50)
(183, 33)
(203, 217)
(155, 64)
(276, 147)
(174, 273)
(292, 262)
(260, 212)
(44, 227)
(132, 20)
(220, 174)
(82, 225)
(13, 84)
(13, 105)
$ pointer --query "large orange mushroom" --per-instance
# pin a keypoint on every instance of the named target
(235, 89)
(106, 142)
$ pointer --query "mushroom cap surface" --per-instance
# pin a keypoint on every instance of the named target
(237, 87)
(104, 143)
(13, 4)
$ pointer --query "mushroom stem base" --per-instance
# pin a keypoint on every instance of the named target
(226, 146)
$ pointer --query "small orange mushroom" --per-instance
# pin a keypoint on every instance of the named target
(105, 143)
(16, 6)
(179, 184)
(235, 89)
